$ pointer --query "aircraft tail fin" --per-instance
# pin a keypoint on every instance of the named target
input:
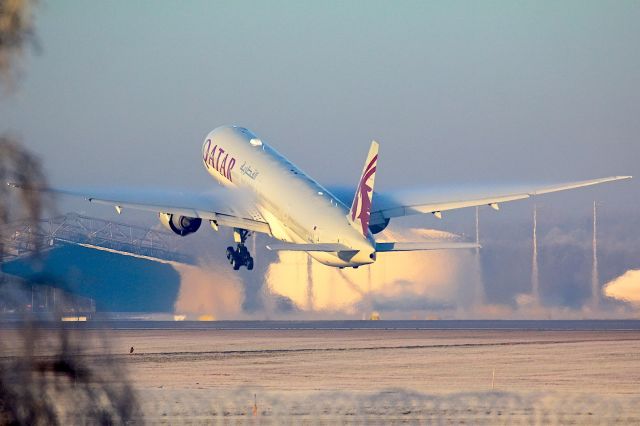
(360, 212)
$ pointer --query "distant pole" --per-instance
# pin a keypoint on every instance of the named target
(477, 228)
(480, 293)
(595, 279)
(369, 304)
(493, 378)
(255, 405)
(535, 280)
(309, 283)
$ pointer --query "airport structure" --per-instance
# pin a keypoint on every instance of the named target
(26, 238)
(39, 252)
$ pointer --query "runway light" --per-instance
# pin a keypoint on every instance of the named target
(255, 406)
(73, 319)
(206, 318)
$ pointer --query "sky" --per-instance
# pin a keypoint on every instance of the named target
(123, 93)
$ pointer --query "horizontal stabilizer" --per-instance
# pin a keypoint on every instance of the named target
(425, 245)
(326, 247)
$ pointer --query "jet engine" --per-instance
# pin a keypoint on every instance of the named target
(181, 225)
(379, 227)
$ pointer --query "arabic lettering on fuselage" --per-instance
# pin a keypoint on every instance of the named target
(218, 159)
(247, 170)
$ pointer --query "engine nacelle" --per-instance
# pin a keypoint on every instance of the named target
(379, 227)
(181, 225)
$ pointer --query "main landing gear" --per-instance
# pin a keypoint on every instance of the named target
(240, 256)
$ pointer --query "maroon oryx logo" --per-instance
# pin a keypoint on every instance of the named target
(361, 207)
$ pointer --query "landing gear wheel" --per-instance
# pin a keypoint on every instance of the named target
(240, 256)
(236, 262)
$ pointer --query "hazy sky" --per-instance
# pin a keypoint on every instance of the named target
(454, 91)
(123, 93)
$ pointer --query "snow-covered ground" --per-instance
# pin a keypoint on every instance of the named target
(448, 376)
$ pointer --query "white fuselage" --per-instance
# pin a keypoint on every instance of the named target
(296, 207)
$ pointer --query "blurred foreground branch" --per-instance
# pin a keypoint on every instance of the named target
(16, 163)
(16, 34)
(20, 166)
(47, 378)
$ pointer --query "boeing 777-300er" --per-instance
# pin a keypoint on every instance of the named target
(264, 192)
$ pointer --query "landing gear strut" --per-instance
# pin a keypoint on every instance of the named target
(240, 256)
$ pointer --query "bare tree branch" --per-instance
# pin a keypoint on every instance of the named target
(16, 35)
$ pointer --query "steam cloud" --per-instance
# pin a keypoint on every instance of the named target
(215, 294)
(625, 288)
(403, 283)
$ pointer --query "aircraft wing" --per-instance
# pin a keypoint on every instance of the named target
(387, 205)
(226, 208)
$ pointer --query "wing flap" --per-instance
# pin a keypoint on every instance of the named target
(451, 205)
(324, 247)
(424, 245)
(244, 223)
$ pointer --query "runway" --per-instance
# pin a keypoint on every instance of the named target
(186, 371)
(433, 361)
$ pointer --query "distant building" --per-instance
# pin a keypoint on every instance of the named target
(77, 279)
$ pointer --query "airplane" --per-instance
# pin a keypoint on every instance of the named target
(263, 192)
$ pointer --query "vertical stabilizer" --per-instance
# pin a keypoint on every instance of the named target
(361, 207)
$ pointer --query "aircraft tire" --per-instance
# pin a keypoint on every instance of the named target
(236, 263)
